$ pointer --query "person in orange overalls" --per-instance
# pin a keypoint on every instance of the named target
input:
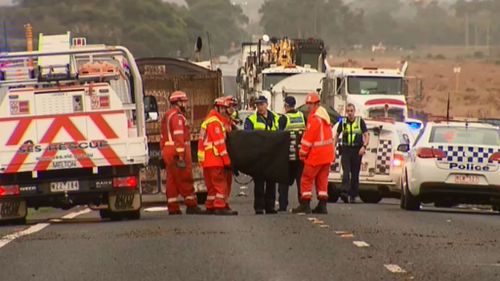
(214, 158)
(176, 153)
(317, 152)
(233, 121)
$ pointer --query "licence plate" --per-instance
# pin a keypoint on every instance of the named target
(124, 201)
(466, 179)
(64, 186)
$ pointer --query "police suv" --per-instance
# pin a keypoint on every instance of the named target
(453, 163)
(381, 166)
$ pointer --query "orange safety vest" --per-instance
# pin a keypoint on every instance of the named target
(317, 141)
(212, 151)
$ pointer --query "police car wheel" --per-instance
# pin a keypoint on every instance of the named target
(333, 193)
(411, 203)
(371, 197)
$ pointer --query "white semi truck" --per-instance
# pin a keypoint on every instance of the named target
(73, 129)
(376, 92)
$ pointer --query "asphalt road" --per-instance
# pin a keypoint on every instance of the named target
(352, 242)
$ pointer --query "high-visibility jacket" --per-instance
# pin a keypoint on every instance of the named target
(175, 137)
(351, 132)
(212, 150)
(317, 141)
(295, 121)
(258, 123)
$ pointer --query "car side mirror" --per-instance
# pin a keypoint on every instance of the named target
(404, 147)
(151, 109)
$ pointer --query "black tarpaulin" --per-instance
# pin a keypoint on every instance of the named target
(261, 154)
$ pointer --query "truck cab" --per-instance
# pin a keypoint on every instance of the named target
(376, 92)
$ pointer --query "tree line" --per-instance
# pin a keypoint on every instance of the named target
(158, 28)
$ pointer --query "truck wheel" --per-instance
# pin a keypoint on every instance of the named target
(333, 193)
(133, 215)
(201, 197)
(371, 197)
(411, 203)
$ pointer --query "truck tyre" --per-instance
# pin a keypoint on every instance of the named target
(201, 197)
(410, 202)
(20, 221)
(333, 193)
(133, 215)
(371, 197)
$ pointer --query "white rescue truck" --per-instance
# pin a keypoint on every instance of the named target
(376, 92)
(73, 129)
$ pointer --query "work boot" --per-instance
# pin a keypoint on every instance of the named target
(344, 197)
(210, 212)
(303, 208)
(175, 212)
(225, 212)
(352, 199)
(194, 211)
(271, 212)
(321, 208)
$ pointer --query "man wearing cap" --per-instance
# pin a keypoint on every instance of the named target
(294, 122)
(265, 190)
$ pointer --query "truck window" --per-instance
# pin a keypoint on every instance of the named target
(368, 85)
(271, 79)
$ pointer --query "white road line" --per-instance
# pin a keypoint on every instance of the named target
(30, 230)
(394, 268)
(360, 244)
(76, 214)
(156, 209)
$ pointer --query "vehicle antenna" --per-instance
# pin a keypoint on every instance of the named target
(448, 108)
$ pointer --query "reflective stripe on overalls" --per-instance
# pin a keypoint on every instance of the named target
(350, 131)
(170, 140)
(210, 145)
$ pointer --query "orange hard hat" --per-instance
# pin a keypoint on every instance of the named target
(312, 97)
(178, 96)
(230, 101)
(220, 102)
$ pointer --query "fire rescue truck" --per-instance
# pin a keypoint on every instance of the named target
(73, 129)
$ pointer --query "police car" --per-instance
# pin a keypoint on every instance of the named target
(381, 166)
(453, 163)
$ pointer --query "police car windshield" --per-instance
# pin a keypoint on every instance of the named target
(464, 135)
(369, 85)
